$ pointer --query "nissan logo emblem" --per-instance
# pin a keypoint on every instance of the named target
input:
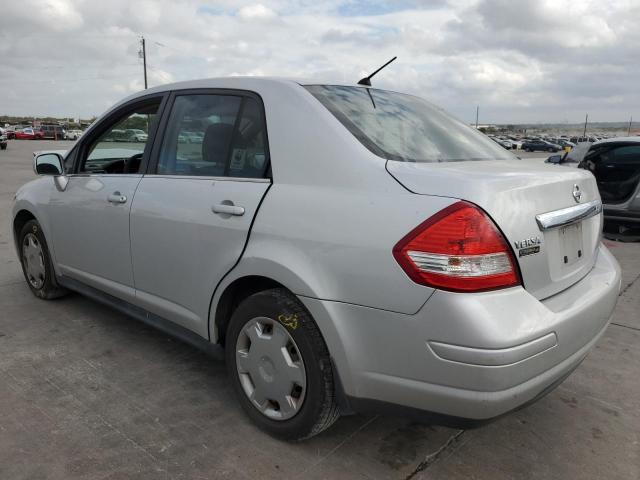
(577, 194)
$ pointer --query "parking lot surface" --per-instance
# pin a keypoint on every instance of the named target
(88, 393)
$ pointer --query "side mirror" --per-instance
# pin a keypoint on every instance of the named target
(554, 159)
(48, 164)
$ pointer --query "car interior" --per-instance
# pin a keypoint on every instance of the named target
(617, 170)
(107, 154)
(205, 138)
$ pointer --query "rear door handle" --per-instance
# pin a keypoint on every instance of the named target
(117, 197)
(227, 209)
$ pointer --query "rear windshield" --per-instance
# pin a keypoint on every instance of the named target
(402, 127)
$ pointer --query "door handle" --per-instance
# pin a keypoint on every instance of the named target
(117, 197)
(227, 209)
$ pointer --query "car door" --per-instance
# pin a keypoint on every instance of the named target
(90, 216)
(617, 170)
(192, 212)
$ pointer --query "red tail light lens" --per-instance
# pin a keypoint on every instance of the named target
(458, 249)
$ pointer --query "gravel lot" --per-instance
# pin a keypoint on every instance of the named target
(87, 393)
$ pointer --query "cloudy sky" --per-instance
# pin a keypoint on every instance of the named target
(520, 60)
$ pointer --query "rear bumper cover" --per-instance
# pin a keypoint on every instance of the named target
(467, 356)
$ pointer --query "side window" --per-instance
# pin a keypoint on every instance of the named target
(214, 135)
(120, 147)
(249, 153)
(628, 155)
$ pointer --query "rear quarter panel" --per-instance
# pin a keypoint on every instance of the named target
(336, 244)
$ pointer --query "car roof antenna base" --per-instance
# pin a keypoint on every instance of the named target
(366, 81)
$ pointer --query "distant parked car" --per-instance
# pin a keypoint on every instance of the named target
(583, 139)
(540, 145)
(564, 143)
(10, 132)
(503, 142)
(52, 132)
(516, 143)
(115, 135)
(194, 137)
(29, 134)
(72, 134)
(135, 135)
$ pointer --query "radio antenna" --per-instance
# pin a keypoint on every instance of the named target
(366, 81)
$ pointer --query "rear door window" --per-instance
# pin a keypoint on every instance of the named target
(214, 135)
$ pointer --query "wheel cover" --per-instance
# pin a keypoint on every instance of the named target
(270, 368)
(33, 259)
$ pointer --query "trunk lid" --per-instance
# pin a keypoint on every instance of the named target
(513, 193)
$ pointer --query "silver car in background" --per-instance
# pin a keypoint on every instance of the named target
(349, 249)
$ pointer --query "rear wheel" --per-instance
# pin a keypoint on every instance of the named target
(36, 263)
(280, 367)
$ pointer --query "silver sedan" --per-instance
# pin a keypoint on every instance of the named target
(347, 249)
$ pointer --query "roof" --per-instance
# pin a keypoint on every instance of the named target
(635, 139)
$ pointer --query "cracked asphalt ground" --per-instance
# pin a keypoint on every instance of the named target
(87, 393)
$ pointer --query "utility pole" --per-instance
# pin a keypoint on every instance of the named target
(586, 118)
(477, 113)
(143, 54)
(629, 131)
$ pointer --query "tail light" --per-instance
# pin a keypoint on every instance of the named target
(458, 249)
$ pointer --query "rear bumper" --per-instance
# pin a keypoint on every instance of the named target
(467, 356)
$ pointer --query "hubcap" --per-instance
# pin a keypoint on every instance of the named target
(33, 259)
(270, 368)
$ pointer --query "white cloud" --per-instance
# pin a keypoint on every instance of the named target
(521, 60)
(256, 12)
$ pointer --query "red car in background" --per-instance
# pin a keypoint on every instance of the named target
(29, 134)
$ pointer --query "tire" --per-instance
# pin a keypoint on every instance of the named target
(3, 146)
(45, 285)
(316, 407)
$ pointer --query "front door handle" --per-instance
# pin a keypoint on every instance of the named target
(117, 197)
(227, 209)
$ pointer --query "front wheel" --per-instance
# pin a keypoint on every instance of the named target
(280, 367)
(36, 263)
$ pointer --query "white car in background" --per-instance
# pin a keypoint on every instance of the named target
(516, 143)
(135, 135)
(72, 134)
